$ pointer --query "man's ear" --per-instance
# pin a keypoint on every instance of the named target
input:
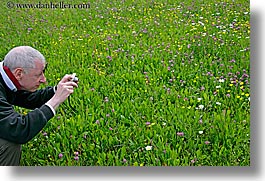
(18, 73)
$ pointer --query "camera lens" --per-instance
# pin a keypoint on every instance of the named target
(75, 79)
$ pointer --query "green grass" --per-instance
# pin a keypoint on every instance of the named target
(168, 74)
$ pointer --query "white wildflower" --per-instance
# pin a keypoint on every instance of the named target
(148, 148)
(221, 80)
(201, 106)
(218, 103)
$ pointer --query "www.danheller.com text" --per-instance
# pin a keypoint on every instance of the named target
(49, 5)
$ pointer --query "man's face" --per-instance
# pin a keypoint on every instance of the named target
(33, 77)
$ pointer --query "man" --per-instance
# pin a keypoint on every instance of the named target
(21, 73)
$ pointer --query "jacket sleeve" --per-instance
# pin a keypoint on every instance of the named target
(19, 128)
(31, 100)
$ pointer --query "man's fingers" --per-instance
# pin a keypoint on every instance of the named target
(66, 78)
(73, 84)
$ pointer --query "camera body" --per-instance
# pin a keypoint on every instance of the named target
(74, 79)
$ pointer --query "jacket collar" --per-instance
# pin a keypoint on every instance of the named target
(9, 78)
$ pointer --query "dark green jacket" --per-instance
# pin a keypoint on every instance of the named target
(19, 128)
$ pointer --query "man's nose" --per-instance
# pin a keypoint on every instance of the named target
(42, 79)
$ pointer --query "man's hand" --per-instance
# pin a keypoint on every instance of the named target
(64, 88)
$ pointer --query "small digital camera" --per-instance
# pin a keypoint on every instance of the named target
(74, 79)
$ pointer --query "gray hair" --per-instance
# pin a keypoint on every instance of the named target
(22, 56)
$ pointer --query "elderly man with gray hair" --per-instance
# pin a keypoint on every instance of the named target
(21, 73)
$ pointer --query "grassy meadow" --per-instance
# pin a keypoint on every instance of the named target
(161, 82)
